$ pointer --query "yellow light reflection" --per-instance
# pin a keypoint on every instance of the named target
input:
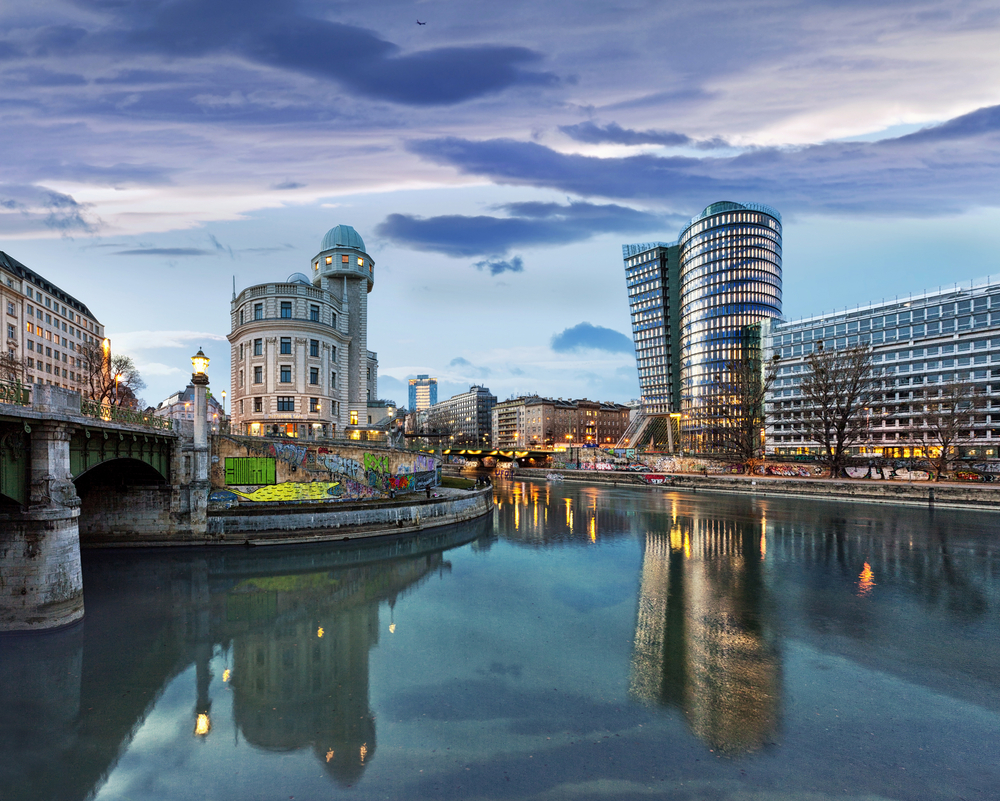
(392, 628)
(225, 675)
(329, 755)
(687, 546)
(676, 538)
(763, 536)
(363, 751)
(320, 632)
(866, 580)
(592, 528)
(203, 725)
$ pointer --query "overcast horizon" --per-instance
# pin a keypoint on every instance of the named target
(494, 160)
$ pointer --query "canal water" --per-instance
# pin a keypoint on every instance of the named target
(585, 642)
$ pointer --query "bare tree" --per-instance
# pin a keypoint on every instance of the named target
(948, 411)
(112, 379)
(739, 420)
(12, 369)
(836, 392)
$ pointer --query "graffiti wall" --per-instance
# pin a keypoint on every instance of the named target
(310, 472)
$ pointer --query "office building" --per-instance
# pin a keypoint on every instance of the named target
(300, 362)
(693, 303)
(179, 407)
(423, 392)
(919, 343)
(543, 423)
(466, 417)
(50, 336)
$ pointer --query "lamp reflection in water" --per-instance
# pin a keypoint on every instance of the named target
(703, 639)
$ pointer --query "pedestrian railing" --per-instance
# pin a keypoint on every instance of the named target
(15, 392)
(119, 414)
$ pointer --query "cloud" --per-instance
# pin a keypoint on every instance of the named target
(595, 337)
(164, 252)
(29, 208)
(496, 266)
(288, 185)
(147, 340)
(286, 37)
(527, 224)
(944, 169)
(469, 368)
(613, 133)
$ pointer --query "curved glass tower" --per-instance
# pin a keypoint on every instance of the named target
(729, 280)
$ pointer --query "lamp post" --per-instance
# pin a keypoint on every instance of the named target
(200, 380)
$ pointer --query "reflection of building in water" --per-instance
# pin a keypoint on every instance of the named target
(300, 659)
(702, 640)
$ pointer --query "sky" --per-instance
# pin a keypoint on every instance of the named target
(494, 159)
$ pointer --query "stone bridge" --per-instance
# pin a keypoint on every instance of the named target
(63, 459)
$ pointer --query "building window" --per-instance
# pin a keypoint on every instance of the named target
(286, 374)
(286, 345)
(258, 375)
(241, 316)
(354, 418)
(241, 379)
(241, 351)
(314, 404)
(258, 311)
(11, 333)
(286, 404)
(329, 259)
(286, 309)
(314, 347)
(314, 313)
(345, 259)
(258, 347)
(313, 375)
(241, 407)
(10, 308)
(31, 362)
(31, 345)
(48, 351)
(333, 380)
(333, 353)
(334, 323)
(361, 262)
(258, 405)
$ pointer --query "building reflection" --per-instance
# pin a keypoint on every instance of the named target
(704, 642)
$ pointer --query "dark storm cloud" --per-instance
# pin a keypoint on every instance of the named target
(943, 169)
(285, 37)
(528, 224)
(613, 133)
(586, 335)
(499, 266)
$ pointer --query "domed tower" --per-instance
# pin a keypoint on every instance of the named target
(345, 270)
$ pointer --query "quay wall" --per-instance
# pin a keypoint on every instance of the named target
(924, 493)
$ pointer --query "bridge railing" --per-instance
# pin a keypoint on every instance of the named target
(119, 414)
(14, 392)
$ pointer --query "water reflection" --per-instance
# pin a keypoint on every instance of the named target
(296, 625)
(704, 641)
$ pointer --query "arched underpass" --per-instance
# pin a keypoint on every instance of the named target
(120, 500)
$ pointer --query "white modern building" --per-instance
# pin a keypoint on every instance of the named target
(300, 360)
(179, 407)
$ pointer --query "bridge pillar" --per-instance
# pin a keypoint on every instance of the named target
(41, 582)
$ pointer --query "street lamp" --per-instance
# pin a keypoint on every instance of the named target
(200, 362)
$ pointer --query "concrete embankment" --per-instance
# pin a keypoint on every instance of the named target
(924, 493)
(283, 523)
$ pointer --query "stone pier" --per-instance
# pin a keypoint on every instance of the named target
(41, 582)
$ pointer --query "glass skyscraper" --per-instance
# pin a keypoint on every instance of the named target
(693, 303)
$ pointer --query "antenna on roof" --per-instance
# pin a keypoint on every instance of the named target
(234, 287)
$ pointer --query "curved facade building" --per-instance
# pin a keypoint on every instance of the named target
(729, 280)
(300, 363)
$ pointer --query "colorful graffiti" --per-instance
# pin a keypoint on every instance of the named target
(784, 470)
(379, 462)
(286, 492)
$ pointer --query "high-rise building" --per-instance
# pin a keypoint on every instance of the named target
(423, 392)
(300, 363)
(467, 417)
(919, 343)
(693, 303)
(50, 336)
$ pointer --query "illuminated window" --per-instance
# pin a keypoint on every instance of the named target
(329, 259)
(345, 259)
(354, 418)
(258, 405)
(361, 262)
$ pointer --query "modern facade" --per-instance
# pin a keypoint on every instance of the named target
(50, 337)
(918, 343)
(467, 417)
(693, 303)
(300, 362)
(423, 392)
(534, 422)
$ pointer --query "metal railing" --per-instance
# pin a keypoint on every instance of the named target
(15, 392)
(119, 414)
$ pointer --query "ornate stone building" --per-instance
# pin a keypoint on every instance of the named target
(300, 362)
